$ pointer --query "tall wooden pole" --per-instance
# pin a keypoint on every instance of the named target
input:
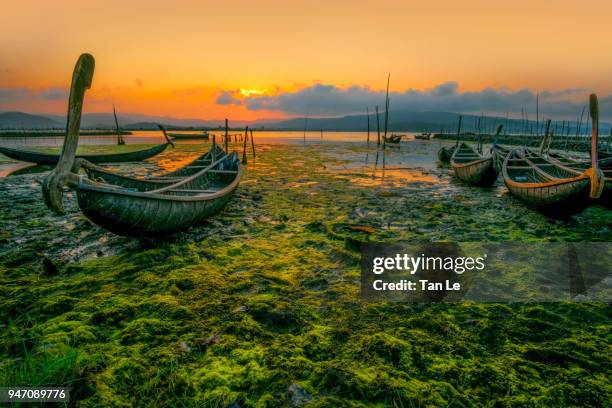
(244, 146)
(226, 136)
(377, 126)
(305, 127)
(253, 144)
(387, 105)
(120, 140)
(368, 116)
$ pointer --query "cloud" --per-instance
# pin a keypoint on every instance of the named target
(228, 98)
(329, 100)
(11, 94)
(53, 94)
(14, 94)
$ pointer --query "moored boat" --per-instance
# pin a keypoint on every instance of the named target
(472, 167)
(52, 159)
(190, 136)
(144, 208)
(552, 188)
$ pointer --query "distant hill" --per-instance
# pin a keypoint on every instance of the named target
(415, 121)
(20, 120)
(399, 121)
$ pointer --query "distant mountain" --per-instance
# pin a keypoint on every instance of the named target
(20, 120)
(399, 121)
(106, 120)
(416, 121)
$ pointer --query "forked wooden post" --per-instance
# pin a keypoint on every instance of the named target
(595, 173)
(62, 175)
(226, 136)
(253, 144)
(244, 146)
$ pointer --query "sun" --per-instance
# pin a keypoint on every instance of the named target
(250, 92)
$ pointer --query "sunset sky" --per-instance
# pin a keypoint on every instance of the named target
(265, 59)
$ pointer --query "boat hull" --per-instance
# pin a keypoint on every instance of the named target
(137, 216)
(183, 136)
(52, 159)
(559, 199)
(445, 154)
(480, 173)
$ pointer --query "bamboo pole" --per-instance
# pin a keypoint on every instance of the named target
(253, 144)
(386, 109)
(244, 146)
(120, 140)
(459, 130)
(537, 114)
(377, 126)
(368, 116)
(226, 136)
(305, 127)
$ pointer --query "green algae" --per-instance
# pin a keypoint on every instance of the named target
(266, 296)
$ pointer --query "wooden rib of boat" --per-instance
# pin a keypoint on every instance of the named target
(190, 136)
(143, 208)
(52, 159)
(549, 187)
(472, 167)
(102, 174)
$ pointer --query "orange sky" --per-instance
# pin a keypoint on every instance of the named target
(174, 58)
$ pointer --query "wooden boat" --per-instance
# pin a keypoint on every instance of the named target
(472, 167)
(393, 139)
(423, 136)
(445, 153)
(579, 166)
(190, 136)
(549, 187)
(52, 159)
(141, 208)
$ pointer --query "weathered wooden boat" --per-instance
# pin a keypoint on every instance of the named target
(472, 167)
(141, 208)
(423, 136)
(579, 166)
(393, 139)
(190, 136)
(445, 153)
(52, 159)
(549, 187)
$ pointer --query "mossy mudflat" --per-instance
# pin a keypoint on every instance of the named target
(260, 306)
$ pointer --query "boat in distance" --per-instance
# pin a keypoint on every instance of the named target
(190, 136)
(51, 159)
